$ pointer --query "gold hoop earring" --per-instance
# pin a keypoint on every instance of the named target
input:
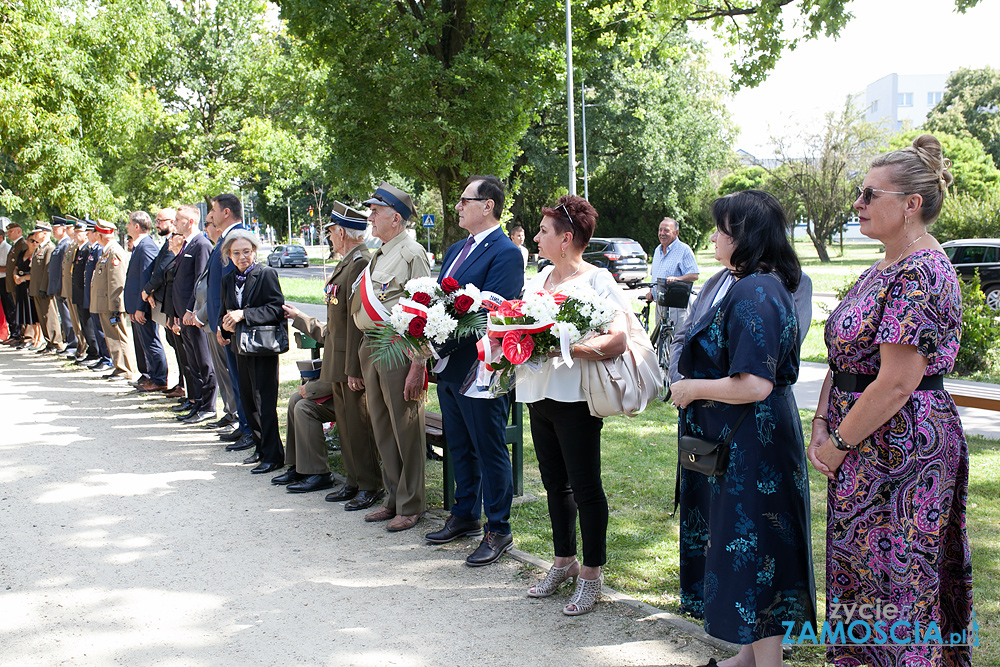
(563, 254)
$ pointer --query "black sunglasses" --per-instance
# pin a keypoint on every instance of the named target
(466, 200)
(866, 193)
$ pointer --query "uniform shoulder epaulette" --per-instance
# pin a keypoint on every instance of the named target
(407, 253)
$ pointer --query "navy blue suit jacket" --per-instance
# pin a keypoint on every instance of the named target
(140, 266)
(495, 265)
(216, 271)
(88, 271)
(190, 265)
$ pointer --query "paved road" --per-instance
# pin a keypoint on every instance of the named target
(129, 539)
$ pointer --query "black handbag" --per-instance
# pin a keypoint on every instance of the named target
(261, 340)
(709, 457)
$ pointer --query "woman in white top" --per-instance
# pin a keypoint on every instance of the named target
(567, 438)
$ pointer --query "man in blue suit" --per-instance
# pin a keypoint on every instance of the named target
(149, 354)
(474, 427)
(191, 263)
(226, 214)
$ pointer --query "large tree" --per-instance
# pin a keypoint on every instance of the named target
(971, 106)
(818, 172)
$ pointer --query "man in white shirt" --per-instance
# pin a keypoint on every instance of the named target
(673, 261)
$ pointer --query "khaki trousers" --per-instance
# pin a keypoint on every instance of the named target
(81, 340)
(48, 317)
(119, 342)
(399, 434)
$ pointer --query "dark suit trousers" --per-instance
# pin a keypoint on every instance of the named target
(201, 388)
(102, 343)
(149, 350)
(235, 381)
(474, 431)
(89, 335)
(174, 340)
(567, 441)
(69, 335)
(259, 389)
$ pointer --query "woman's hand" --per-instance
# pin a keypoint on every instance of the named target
(683, 392)
(825, 456)
(291, 312)
(231, 318)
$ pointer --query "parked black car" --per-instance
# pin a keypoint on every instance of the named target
(288, 255)
(968, 255)
(624, 258)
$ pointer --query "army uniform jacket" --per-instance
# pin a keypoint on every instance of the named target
(67, 271)
(392, 265)
(340, 335)
(107, 289)
(40, 270)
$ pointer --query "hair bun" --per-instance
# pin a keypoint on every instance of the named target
(928, 149)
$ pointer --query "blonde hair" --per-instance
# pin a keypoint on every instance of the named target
(921, 169)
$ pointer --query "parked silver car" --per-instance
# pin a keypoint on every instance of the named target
(288, 255)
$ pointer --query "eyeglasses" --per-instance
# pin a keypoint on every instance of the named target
(563, 207)
(243, 253)
(466, 200)
(866, 193)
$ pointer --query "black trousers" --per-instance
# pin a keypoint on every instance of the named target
(201, 388)
(174, 340)
(568, 446)
(87, 324)
(259, 395)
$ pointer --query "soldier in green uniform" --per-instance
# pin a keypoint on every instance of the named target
(45, 303)
(338, 395)
(66, 294)
(395, 393)
(107, 299)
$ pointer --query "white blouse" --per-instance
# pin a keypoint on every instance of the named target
(564, 383)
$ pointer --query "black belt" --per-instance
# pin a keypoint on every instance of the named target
(858, 383)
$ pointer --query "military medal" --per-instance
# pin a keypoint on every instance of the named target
(381, 295)
(331, 294)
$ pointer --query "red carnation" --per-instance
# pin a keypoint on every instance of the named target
(422, 298)
(560, 299)
(417, 325)
(450, 285)
(462, 303)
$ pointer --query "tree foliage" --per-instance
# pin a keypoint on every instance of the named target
(971, 107)
(819, 171)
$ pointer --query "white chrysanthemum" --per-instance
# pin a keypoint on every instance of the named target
(541, 307)
(439, 324)
(424, 284)
(474, 292)
(399, 319)
(572, 332)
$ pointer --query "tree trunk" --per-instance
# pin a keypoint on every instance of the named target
(819, 242)
(450, 231)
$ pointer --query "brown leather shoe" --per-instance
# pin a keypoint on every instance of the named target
(176, 392)
(381, 514)
(403, 522)
(152, 386)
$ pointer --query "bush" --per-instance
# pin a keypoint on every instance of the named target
(968, 217)
(980, 330)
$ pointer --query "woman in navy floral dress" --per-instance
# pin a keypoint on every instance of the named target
(745, 555)
(886, 433)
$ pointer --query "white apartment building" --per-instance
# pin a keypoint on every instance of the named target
(900, 101)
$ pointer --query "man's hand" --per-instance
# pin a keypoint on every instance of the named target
(144, 296)
(139, 317)
(222, 341)
(413, 388)
(188, 319)
(355, 384)
(150, 301)
(175, 325)
(649, 296)
(302, 390)
(291, 312)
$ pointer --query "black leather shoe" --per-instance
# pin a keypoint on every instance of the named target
(265, 467)
(455, 528)
(312, 483)
(253, 458)
(343, 493)
(490, 549)
(184, 406)
(190, 413)
(364, 500)
(233, 436)
(246, 441)
(199, 417)
(87, 361)
(287, 477)
(101, 368)
(225, 420)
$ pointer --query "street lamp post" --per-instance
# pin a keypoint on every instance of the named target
(569, 100)
(583, 122)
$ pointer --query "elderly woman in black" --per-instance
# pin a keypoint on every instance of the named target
(252, 294)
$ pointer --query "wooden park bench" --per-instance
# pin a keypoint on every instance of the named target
(974, 394)
(513, 434)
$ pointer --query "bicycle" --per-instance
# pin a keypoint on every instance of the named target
(673, 294)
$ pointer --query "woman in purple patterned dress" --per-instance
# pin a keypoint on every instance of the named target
(889, 437)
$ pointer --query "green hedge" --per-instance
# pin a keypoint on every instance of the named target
(968, 217)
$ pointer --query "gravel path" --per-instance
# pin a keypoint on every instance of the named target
(129, 539)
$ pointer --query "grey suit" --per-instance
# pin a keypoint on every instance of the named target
(803, 311)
